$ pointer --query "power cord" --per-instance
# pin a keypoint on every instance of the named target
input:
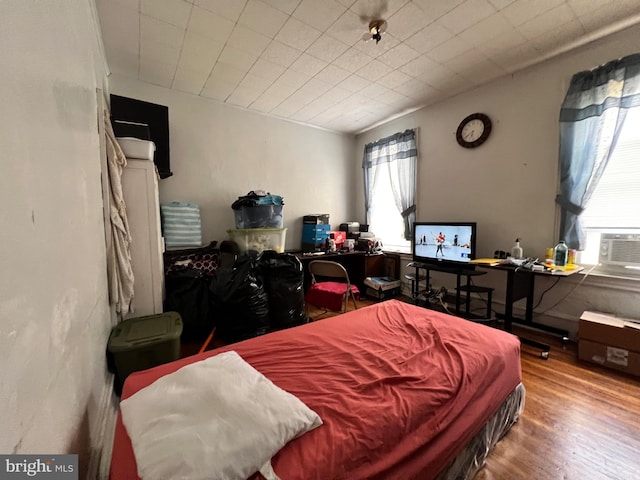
(569, 293)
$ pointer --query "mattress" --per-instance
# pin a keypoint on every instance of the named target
(401, 390)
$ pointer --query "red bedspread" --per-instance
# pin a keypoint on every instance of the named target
(400, 389)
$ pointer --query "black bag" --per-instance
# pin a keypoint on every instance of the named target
(284, 282)
(187, 292)
(240, 301)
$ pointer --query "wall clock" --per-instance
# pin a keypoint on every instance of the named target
(473, 130)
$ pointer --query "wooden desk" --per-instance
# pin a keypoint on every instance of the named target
(359, 265)
(521, 285)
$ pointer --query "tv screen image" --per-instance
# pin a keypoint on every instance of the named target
(444, 242)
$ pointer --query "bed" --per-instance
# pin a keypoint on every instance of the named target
(403, 392)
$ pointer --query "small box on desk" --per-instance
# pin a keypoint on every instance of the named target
(382, 288)
(609, 341)
(316, 218)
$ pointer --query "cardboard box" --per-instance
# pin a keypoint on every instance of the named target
(610, 341)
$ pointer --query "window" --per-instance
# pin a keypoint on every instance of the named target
(390, 187)
(614, 207)
(600, 166)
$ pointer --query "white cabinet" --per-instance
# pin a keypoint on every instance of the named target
(140, 190)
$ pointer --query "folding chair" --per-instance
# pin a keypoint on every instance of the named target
(330, 287)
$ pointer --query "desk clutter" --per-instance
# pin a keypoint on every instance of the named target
(318, 237)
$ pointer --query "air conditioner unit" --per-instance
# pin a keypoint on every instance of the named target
(622, 249)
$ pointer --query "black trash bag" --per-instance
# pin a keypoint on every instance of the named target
(284, 282)
(239, 300)
(187, 292)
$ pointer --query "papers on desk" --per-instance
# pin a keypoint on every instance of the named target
(492, 262)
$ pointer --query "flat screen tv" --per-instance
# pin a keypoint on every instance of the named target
(448, 244)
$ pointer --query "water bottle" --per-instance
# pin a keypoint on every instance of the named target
(560, 254)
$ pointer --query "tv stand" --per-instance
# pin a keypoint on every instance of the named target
(467, 271)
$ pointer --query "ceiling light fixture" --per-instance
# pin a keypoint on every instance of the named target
(376, 29)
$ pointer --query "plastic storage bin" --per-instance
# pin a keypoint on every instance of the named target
(255, 240)
(258, 216)
(143, 342)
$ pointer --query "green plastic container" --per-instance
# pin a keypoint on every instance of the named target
(144, 342)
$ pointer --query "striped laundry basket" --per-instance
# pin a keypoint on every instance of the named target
(181, 224)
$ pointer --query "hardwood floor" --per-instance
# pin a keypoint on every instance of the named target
(581, 421)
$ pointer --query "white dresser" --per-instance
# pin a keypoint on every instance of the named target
(140, 189)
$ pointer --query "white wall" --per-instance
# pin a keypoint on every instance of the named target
(54, 313)
(219, 153)
(508, 185)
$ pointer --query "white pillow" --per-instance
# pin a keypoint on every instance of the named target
(215, 419)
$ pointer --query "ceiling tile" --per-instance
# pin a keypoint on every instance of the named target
(297, 34)
(248, 41)
(230, 9)
(398, 56)
(548, 22)
(491, 27)
(500, 4)
(262, 18)
(319, 14)
(175, 12)
(280, 54)
(293, 78)
(374, 70)
(514, 57)
(210, 25)
(352, 60)
(449, 49)
(286, 6)
(561, 35)
(391, 97)
(237, 58)
(435, 9)
(419, 65)
(466, 15)
(254, 83)
(522, 11)
(354, 83)
(348, 28)
(407, 21)
(189, 81)
(308, 65)
(242, 97)
(327, 48)
(377, 9)
(160, 32)
(217, 89)
(428, 39)
(151, 51)
(288, 107)
(199, 53)
(267, 70)
(156, 73)
(394, 79)
(223, 72)
(333, 74)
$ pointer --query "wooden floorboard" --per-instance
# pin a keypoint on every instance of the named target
(581, 421)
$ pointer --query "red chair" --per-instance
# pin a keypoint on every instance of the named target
(330, 287)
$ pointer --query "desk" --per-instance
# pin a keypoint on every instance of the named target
(520, 284)
(466, 271)
(359, 265)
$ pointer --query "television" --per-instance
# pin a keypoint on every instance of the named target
(445, 244)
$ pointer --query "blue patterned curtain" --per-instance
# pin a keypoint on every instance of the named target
(400, 153)
(591, 119)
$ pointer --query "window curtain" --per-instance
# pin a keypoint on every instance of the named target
(591, 118)
(400, 154)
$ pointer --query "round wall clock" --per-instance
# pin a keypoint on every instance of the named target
(473, 130)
